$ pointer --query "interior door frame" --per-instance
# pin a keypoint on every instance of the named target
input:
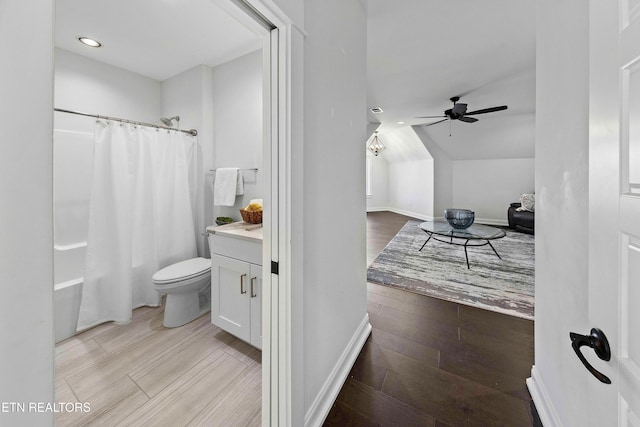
(275, 28)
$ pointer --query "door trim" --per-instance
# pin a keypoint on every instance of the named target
(260, 16)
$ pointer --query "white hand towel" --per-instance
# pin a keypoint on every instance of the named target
(240, 184)
(226, 186)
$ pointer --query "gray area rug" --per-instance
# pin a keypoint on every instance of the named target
(504, 285)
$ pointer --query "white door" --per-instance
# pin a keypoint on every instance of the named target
(614, 209)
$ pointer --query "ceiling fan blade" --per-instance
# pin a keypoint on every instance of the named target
(487, 110)
(468, 119)
(429, 117)
(435, 123)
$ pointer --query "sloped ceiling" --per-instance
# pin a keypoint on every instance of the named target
(155, 38)
(423, 52)
(403, 145)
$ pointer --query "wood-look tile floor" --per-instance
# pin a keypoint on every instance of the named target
(145, 374)
(430, 362)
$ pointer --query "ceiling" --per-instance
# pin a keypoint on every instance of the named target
(156, 38)
(422, 52)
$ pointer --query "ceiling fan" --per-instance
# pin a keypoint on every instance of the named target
(459, 112)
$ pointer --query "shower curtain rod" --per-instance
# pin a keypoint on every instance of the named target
(133, 122)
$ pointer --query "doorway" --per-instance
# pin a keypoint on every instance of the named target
(271, 174)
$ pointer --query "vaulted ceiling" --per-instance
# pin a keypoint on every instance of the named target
(423, 52)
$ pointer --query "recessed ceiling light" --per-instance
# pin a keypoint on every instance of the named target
(89, 42)
(401, 123)
(376, 110)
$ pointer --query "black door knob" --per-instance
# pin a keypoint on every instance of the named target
(599, 343)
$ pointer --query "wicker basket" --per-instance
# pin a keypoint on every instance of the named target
(251, 217)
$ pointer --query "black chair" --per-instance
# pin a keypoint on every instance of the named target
(522, 221)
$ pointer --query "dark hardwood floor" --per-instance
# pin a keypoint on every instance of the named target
(430, 362)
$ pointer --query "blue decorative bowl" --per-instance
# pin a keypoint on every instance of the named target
(459, 218)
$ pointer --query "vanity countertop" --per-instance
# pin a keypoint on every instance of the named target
(241, 230)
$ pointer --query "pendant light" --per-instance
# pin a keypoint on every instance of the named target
(376, 147)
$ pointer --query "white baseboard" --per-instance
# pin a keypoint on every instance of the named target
(402, 212)
(323, 402)
(413, 214)
(377, 209)
(487, 221)
(541, 399)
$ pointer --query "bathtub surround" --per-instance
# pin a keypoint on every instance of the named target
(139, 222)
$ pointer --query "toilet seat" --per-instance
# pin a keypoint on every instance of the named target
(183, 270)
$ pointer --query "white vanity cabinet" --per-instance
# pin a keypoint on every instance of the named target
(236, 280)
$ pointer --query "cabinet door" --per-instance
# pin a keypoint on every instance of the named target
(255, 290)
(230, 308)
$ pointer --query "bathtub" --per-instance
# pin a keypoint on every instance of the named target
(72, 161)
(68, 262)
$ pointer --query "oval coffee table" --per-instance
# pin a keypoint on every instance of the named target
(474, 235)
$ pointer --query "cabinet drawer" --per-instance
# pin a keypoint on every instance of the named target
(233, 247)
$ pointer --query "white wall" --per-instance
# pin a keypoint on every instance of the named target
(489, 186)
(409, 172)
(559, 380)
(379, 199)
(93, 87)
(237, 116)
(26, 239)
(411, 188)
(190, 96)
(442, 173)
(329, 256)
(424, 187)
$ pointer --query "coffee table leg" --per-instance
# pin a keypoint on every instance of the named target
(466, 255)
(494, 249)
(430, 235)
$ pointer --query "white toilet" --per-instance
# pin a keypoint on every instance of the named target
(187, 285)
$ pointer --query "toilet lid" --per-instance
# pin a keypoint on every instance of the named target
(183, 270)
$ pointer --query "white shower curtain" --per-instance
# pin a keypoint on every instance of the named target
(140, 217)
